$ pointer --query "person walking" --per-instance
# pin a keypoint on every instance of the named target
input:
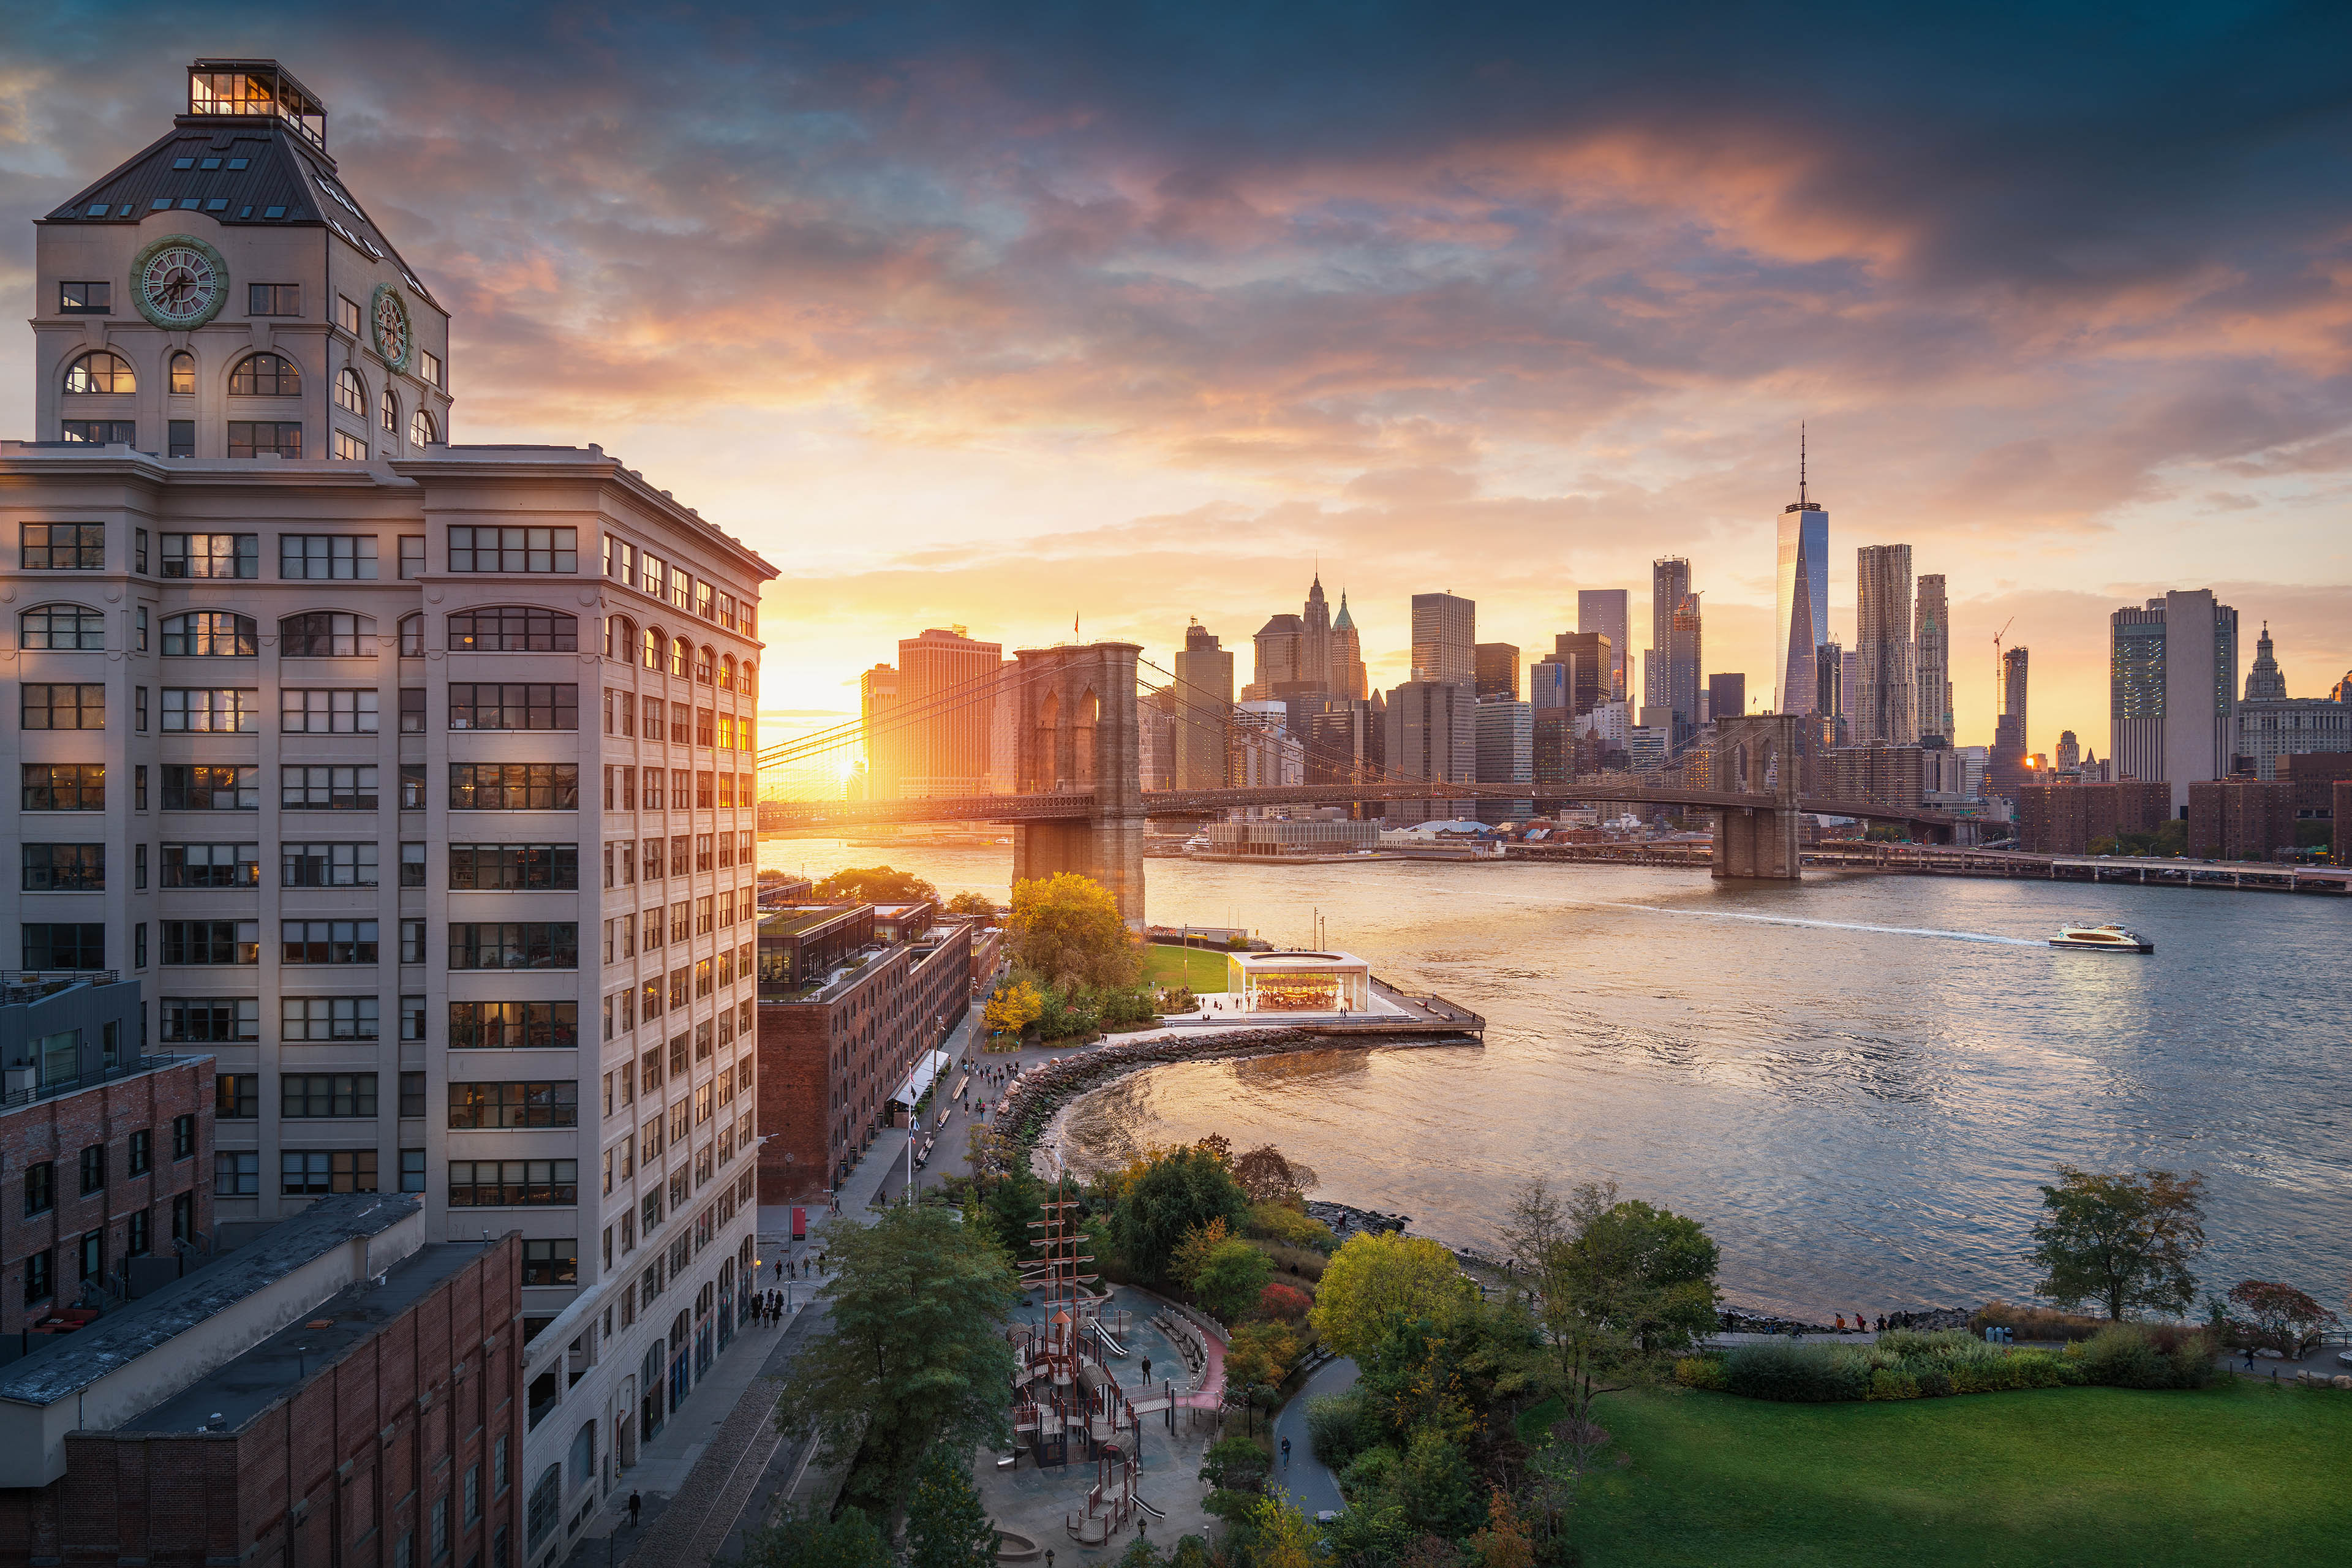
(1285, 1453)
(635, 1503)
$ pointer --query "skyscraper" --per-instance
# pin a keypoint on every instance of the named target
(1504, 735)
(2264, 682)
(2173, 690)
(1204, 703)
(1444, 633)
(1347, 656)
(944, 732)
(878, 704)
(1278, 646)
(1800, 590)
(1685, 655)
(2006, 772)
(1496, 669)
(1608, 611)
(1828, 706)
(1315, 637)
(1432, 734)
(1885, 700)
(1727, 695)
(1931, 643)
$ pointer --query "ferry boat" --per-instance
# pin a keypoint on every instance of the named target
(2121, 939)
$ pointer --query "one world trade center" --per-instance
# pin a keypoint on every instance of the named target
(1802, 592)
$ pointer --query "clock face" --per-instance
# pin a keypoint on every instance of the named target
(391, 319)
(179, 283)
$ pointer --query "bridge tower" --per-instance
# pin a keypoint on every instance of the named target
(1759, 754)
(1075, 726)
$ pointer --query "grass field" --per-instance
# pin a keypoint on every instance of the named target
(1202, 971)
(2240, 1473)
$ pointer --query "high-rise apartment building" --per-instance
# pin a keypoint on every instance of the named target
(1348, 657)
(1496, 667)
(2172, 675)
(1727, 695)
(1801, 592)
(1672, 674)
(1204, 705)
(946, 679)
(468, 917)
(1445, 636)
(1883, 701)
(2010, 766)
(1931, 643)
(877, 712)
(1503, 731)
(1608, 611)
(1432, 734)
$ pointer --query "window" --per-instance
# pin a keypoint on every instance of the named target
(40, 1187)
(138, 1231)
(388, 413)
(551, 1262)
(64, 868)
(313, 1094)
(98, 432)
(412, 933)
(307, 1173)
(93, 1169)
(62, 546)
(61, 628)
(95, 298)
(502, 1183)
(681, 659)
(421, 432)
(479, 1106)
(236, 1096)
(212, 942)
(438, 1534)
(347, 314)
(265, 375)
(702, 726)
(326, 865)
(179, 438)
(212, 554)
(412, 1017)
(210, 634)
(513, 628)
(58, 944)
(252, 437)
(102, 371)
(327, 1018)
(59, 706)
(514, 549)
(208, 788)
(412, 632)
(218, 1020)
(514, 945)
(350, 449)
(514, 705)
(211, 709)
(273, 299)
(323, 711)
(327, 941)
(326, 556)
(326, 788)
(514, 1026)
(324, 633)
(412, 1174)
(65, 786)
(212, 866)
(184, 1138)
(237, 1175)
(411, 786)
(350, 394)
(513, 868)
(514, 786)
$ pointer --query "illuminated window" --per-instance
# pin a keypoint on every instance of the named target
(266, 375)
(101, 372)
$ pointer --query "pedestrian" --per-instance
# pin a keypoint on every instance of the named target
(1285, 1453)
(1841, 1322)
(1146, 1369)
(2249, 1358)
(635, 1503)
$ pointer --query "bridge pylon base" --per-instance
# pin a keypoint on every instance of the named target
(1757, 843)
(1109, 849)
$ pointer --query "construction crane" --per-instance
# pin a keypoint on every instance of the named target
(1997, 691)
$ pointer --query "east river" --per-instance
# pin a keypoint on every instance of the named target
(1855, 1084)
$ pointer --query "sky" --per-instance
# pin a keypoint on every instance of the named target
(1003, 315)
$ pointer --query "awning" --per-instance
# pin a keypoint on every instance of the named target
(918, 1082)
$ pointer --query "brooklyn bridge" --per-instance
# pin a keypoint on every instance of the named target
(1079, 805)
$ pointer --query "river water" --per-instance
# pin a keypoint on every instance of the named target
(1855, 1084)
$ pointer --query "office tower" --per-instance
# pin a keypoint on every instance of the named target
(1344, 743)
(1444, 633)
(945, 681)
(1264, 755)
(2273, 726)
(1590, 663)
(1931, 642)
(878, 706)
(1551, 748)
(1685, 655)
(1883, 701)
(2264, 682)
(1671, 678)
(1503, 731)
(1801, 592)
(1314, 638)
(1496, 667)
(1827, 707)
(2172, 684)
(1277, 646)
(1156, 738)
(2069, 751)
(1432, 734)
(2009, 767)
(1607, 611)
(470, 917)
(1727, 695)
(1204, 705)
(1347, 656)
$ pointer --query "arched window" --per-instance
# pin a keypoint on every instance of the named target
(324, 633)
(583, 1453)
(184, 375)
(61, 627)
(652, 650)
(541, 1516)
(210, 634)
(420, 429)
(750, 678)
(620, 639)
(102, 371)
(513, 628)
(706, 667)
(412, 637)
(681, 653)
(267, 376)
(725, 672)
(388, 413)
(351, 396)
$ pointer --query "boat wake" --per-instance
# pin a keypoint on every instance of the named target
(1833, 925)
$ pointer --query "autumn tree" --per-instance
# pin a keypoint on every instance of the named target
(1179, 1190)
(875, 885)
(978, 906)
(2122, 1241)
(1012, 1009)
(1067, 930)
(1270, 1177)
(1378, 1278)
(2290, 1321)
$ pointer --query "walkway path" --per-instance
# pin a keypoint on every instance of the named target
(1308, 1479)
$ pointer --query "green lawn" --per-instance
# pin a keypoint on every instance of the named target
(1193, 966)
(2241, 1473)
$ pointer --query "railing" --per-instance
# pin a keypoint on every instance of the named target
(18, 985)
(15, 1095)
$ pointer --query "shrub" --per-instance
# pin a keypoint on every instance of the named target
(1286, 1303)
(1339, 1426)
(2137, 1355)
(1801, 1374)
(1278, 1222)
(2035, 1322)
(1702, 1372)
(1886, 1382)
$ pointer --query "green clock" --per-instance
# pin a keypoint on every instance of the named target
(179, 282)
(394, 338)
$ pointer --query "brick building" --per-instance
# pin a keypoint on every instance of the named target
(2240, 819)
(2341, 799)
(839, 1042)
(336, 1392)
(104, 1157)
(2067, 819)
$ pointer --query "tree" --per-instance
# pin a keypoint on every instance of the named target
(979, 906)
(2122, 1241)
(1193, 1253)
(1504, 1542)
(812, 1539)
(915, 1356)
(2290, 1321)
(1013, 1008)
(1261, 1353)
(875, 885)
(1268, 1177)
(1230, 1278)
(1178, 1191)
(1284, 1303)
(1282, 1536)
(1376, 1279)
(1067, 930)
(1674, 1260)
(947, 1524)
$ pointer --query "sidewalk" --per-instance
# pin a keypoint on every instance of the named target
(1308, 1479)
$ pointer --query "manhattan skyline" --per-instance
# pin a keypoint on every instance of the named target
(965, 321)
